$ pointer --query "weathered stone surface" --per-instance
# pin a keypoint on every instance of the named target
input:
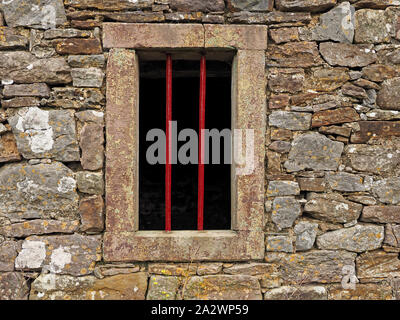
(359, 238)
(375, 4)
(332, 207)
(354, 91)
(246, 17)
(297, 293)
(279, 243)
(43, 14)
(286, 80)
(85, 61)
(24, 67)
(24, 90)
(11, 40)
(326, 79)
(288, 17)
(346, 182)
(20, 102)
(281, 134)
(8, 253)
(392, 235)
(90, 182)
(387, 190)
(250, 5)
(45, 134)
(282, 35)
(105, 270)
(336, 25)
(372, 26)
(144, 17)
(78, 46)
(63, 287)
(363, 83)
(87, 77)
(379, 72)
(285, 211)
(168, 269)
(197, 5)
(223, 287)
(268, 274)
(319, 266)
(311, 184)
(336, 130)
(294, 55)
(37, 191)
(39, 226)
(282, 188)
(389, 96)
(110, 4)
(290, 120)
(366, 200)
(304, 5)
(163, 288)
(306, 233)
(347, 55)
(378, 264)
(373, 159)
(8, 148)
(280, 146)
(90, 116)
(92, 146)
(336, 116)
(381, 214)
(68, 254)
(378, 114)
(209, 268)
(91, 212)
(163, 36)
(66, 33)
(313, 151)
(364, 291)
(13, 286)
(76, 98)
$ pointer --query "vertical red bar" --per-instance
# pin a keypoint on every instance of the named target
(202, 108)
(168, 76)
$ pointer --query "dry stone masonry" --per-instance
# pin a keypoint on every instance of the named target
(332, 160)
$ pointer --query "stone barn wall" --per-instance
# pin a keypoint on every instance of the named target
(332, 187)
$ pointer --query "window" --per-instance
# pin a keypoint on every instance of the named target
(125, 239)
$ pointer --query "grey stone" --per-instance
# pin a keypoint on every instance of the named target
(163, 288)
(67, 254)
(387, 190)
(90, 182)
(209, 268)
(8, 253)
(305, 235)
(359, 238)
(27, 90)
(84, 61)
(223, 287)
(346, 182)
(197, 5)
(280, 146)
(336, 25)
(332, 207)
(315, 266)
(388, 97)
(253, 5)
(290, 120)
(279, 243)
(24, 67)
(392, 235)
(372, 26)
(314, 151)
(297, 293)
(285, 210)
(366, 200)
(304, 5)
(39, 226)
(87, 77)
(378, 264)
(66, 33)
(37, 191)
(76, 98)
(347, 55)
(41, 14)
(45, 134)
(282, 188)
(373, 158)
(90, 116)
(11, 40)
(13, 286)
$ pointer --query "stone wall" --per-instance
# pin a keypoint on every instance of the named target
(332, 191)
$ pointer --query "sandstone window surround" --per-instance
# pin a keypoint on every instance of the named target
(122, 240)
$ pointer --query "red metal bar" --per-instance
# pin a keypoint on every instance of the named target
(202, 108)
(168, 76)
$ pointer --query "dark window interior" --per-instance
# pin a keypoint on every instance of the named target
(185, 108)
